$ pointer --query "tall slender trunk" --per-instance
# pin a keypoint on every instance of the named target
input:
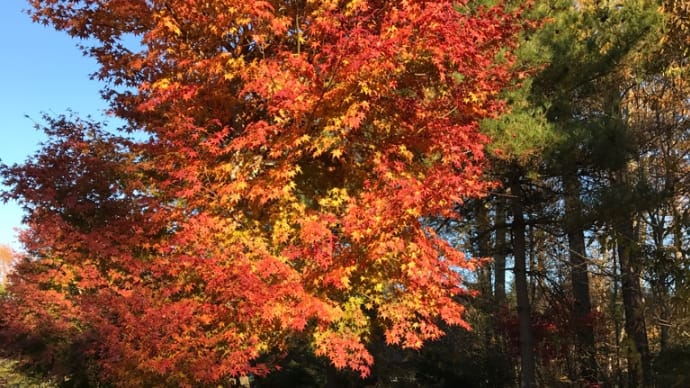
(528, 375)
(639, 360)
(484, 247)
(630, 255)
(500, 254)
(617, 319)
(586, 351)
(678, 258)
(661, 278)
(483, 233)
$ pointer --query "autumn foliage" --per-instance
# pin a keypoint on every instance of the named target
(295, 150)
(6, 261)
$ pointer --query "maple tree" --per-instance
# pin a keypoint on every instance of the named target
(295, 150)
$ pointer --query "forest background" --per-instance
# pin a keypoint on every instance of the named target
(131, 272)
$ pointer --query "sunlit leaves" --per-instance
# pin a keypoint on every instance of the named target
(295, 150)
(7, 259)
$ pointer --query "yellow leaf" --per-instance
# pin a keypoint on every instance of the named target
(405, 153)
(170, 24)
(345, 281)
(163, 84)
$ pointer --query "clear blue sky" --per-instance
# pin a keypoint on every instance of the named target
(41, 70)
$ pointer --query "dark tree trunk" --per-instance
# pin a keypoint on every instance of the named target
(484, 247)
(500, 254)
(528, 375)
(660, 282)
(586, 351)
(484, 273)
(639, 361)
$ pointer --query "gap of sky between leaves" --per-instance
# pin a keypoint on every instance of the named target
(41, 71)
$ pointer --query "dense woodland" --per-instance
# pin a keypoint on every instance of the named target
(362, 193)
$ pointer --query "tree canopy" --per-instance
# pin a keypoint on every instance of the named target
(361, 193)
(294, 151)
